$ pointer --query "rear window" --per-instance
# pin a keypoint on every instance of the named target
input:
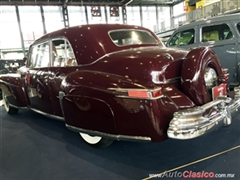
(130, 37)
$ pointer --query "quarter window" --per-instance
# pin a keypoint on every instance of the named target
(216, 33)
(183, 38)
(62, 53)
(40, 56)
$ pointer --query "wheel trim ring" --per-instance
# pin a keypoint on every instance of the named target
(208, 70)
(5, 102)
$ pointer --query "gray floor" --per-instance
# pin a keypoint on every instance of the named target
(33, 147)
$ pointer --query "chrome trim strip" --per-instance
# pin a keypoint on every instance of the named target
(127, 97)
(18, 107)
(191, 123)
(170, 80)
(48, 115)
(137, 89)
(109, 136)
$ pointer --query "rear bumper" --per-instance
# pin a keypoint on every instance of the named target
(194, 122)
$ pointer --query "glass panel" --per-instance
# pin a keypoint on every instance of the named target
(53, 18)
(9, 30)
(178, 9)
(133, 15)
(149, 17)
(183, 38)
(114, 15)
(216, 33)
(40, 56)
(164, 18)
(76, 15)
(31, 23)
(129, 37)
(96, 19)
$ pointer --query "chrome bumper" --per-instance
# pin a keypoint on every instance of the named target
(194, 122)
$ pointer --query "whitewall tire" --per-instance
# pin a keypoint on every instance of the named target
(10, 110)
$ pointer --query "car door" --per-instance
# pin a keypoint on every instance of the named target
(63, 63)
(221, 38)
(236, 24)
(37, 78)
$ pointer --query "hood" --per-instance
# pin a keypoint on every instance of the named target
(140, 63)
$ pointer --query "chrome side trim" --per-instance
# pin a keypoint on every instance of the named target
(48, 115)
(18, 107)
(109, 136)
(170, 80)
(24, 108)
(191, 123)
(155, 78)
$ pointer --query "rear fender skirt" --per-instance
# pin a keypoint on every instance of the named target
(194, 65)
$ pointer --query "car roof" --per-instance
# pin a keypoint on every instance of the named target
(224, 17)
(92, 41)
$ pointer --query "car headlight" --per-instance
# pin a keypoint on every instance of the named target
(210, 77)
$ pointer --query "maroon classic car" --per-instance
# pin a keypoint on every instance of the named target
(119, 82)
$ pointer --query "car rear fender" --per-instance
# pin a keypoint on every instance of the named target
(86, 100)
(192, 76)
(13, 88)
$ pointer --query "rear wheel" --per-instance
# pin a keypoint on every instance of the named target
(10, 110)
(96, 141)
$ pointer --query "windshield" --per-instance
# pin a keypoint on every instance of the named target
(130, 37)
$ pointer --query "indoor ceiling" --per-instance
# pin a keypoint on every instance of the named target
(90, 2)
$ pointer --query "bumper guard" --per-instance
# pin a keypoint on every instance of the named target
(191, 123)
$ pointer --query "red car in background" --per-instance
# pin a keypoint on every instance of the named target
(119, 82)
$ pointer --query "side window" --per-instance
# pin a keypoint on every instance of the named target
(182, 38)
(216, 33)
(40, 55)
(238, 27)
(62, 53)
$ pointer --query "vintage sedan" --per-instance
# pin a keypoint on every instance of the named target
(119, 82)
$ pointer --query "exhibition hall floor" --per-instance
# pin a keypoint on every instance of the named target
(33, 147)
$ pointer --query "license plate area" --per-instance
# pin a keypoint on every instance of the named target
(220, 90)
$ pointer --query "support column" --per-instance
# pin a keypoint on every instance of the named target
(124, 14)
(157, 18)
(65, 15)
(43, 20)
(105, 12)
(20, 30)
(141, 15)
(86, 13)
(171, 17)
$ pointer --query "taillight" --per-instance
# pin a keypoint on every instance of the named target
(138, 93)
(224, 77)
